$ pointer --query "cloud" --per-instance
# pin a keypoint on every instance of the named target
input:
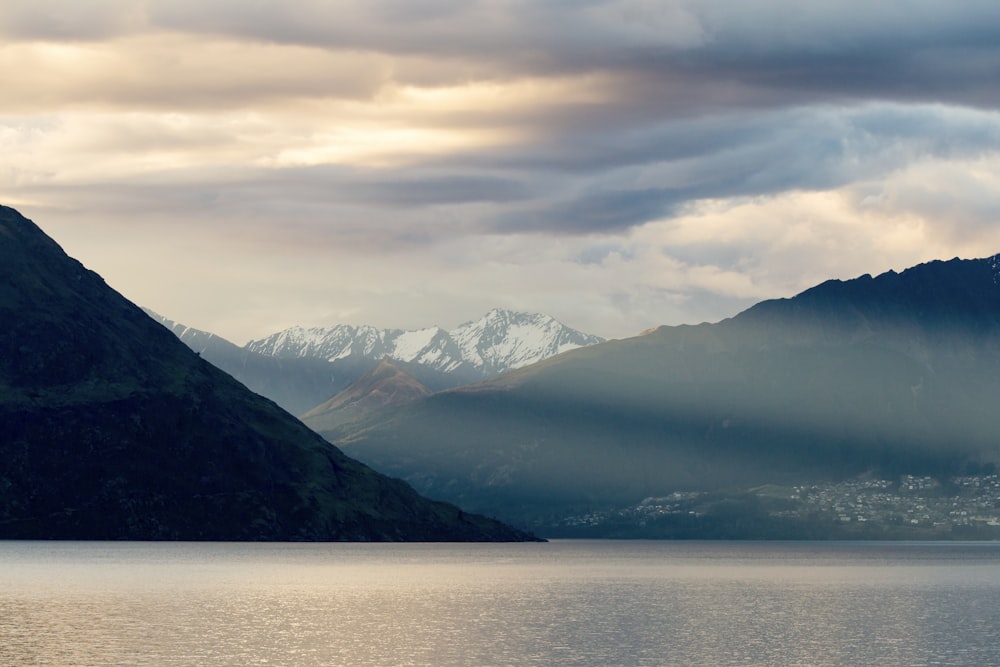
(54, 20)
(628, 184)
(957, 198)
(521, 34)
(619, 163)
(242, 170)
(170, 72)
(690, 54)
(694, 55)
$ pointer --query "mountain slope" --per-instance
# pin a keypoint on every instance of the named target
(893, 374)
(113, 429)
(387, 385)
(296, 384)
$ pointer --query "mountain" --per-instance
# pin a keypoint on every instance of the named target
(295, 384)
(387, 385)
(301, 368)
(113, 429)
(500, 341)
(892, 375)
(503, 340)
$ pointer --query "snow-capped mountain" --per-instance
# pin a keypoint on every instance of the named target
(333, 343)
(503, 340)
(301, 368)
(500, 341)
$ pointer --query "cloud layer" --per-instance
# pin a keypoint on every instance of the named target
(620, 164)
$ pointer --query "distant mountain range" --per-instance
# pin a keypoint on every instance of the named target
(300, 368)
(110, 428)
(500, 341)
(873, 376)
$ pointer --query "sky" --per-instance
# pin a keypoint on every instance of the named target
(242, 166)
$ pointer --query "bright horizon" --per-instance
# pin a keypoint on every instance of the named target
(241, 168)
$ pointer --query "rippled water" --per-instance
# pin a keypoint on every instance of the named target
(562, 603)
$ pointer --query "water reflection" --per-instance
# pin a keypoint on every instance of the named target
(563, 603)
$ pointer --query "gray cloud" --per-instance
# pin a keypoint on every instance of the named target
(760, 154)
(675, 56)
(57, 20)
(569, 184)
(488, 132)
(699, 54)
(427, 189)
(519, 34)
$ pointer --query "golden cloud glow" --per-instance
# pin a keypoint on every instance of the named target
(169, 101)
(500, 96)
(170, 71)
(380, 146)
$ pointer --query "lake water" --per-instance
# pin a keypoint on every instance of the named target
(562, 603)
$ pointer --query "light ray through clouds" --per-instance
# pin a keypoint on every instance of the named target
(245, 166)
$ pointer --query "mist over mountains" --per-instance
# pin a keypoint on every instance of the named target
(300, 368)
(894, 374)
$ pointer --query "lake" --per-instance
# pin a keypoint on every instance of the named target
(581, 603)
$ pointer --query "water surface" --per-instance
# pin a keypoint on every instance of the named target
(562, 603)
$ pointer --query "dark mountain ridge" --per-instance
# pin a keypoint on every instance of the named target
(887, 375)
(111, 428)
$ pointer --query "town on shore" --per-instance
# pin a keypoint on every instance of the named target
(908, 507)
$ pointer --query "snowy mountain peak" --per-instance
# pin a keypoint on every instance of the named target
(503, 340)
(326, 343)
(500, 341)
(995, 267)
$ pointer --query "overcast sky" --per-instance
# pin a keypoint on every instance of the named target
(242, 166)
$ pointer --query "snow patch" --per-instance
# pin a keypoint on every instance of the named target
(409, 344)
